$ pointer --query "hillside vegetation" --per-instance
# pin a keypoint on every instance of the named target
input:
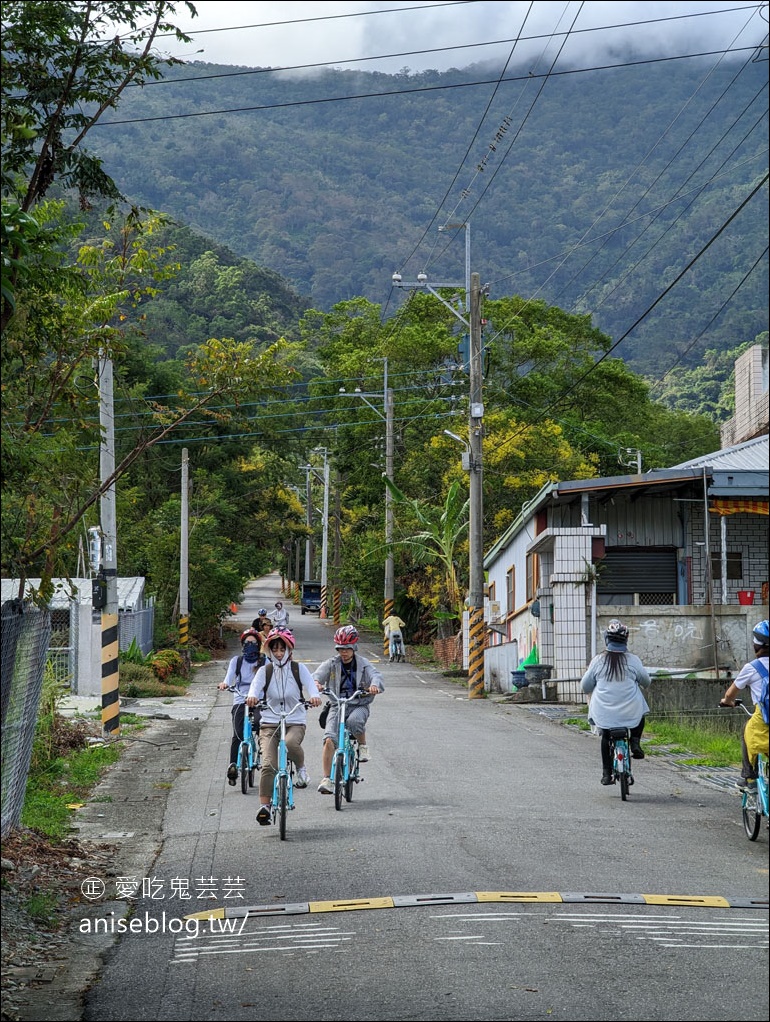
(592, 191)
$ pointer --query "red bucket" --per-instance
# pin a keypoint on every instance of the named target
(746, 597)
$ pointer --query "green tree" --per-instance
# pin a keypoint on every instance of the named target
(434, 536)
(63, 66)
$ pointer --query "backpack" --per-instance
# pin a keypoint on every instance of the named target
(764, 699)
(295, 673)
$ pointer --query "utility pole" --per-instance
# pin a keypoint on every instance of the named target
(108, 573)
(337, 596)
(309, 521)
(476, 527)
(325, 543)
(472, 320)
(389, 595)
(184, 579)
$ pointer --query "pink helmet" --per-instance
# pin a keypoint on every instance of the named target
(346, 637)
(286, 637)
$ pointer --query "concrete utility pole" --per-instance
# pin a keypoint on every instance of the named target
(184, 578)
(309, 521)
(325, 542)
(387, 417)
(389, 594)
(476, 528)
(108, 573)
(472, 320)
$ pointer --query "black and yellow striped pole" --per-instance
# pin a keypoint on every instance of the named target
(476, 646)
(337, 598)
(184, 633)
(386, 612)
(110, 674)
(106, 584)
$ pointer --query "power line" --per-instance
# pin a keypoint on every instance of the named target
(418, 89)
(415, 53)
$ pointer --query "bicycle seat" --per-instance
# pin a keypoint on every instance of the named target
(617, 732)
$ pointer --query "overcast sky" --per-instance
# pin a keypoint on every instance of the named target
(249, 36)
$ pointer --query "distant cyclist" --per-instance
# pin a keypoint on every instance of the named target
(754, 676)
(280, 616)
(281, 684)
(240, 673)
(615, 678)
(262, 620)
(344, 673)
(392, 626)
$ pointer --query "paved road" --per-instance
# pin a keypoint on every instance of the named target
(481, 872)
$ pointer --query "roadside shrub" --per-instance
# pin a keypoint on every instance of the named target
(166, 662)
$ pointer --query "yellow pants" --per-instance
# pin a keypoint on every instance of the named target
(756, 735)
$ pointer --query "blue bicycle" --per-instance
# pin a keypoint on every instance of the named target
(754, 803)
(346, 766)
(620, 750)
(249, 759)
(282, 801)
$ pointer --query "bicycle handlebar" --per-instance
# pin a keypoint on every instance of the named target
(358, 694)
(731, 706)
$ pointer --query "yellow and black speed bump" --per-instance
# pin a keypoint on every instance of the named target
(480, 897)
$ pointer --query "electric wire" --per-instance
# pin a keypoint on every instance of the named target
(413, 91)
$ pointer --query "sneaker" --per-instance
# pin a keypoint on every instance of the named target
(303, 778)
(326, 787)
(363, 754)
(232, 774)
(263, 816)
(746, 784)
(637, 752)
(607, 778)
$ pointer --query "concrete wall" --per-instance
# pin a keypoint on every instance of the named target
(682, 638)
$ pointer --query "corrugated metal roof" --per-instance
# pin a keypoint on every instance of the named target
(751, 455)
(130, 591)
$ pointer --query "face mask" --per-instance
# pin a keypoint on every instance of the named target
(250, 653)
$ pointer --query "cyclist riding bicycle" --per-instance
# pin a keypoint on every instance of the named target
(280, 616)
(240, 673)
(392, 626)
(343, 674)
(279, 685)
(753, 676)
(615, 678)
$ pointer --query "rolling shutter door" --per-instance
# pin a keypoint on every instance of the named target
(638, 570)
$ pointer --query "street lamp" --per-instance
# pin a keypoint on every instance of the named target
(387, 416)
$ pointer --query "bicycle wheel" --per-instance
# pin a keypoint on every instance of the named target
(352, 772)
(752, 815)
(624, 785)
(244, 756)
(283, 805)
(254, 765)
(339, 771)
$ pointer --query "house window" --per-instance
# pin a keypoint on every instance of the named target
(533, 575)
(510, 590)
(734, 565)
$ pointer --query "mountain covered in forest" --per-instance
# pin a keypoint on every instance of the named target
(633, 194)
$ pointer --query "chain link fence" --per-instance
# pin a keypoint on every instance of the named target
(139, 625)
(25, 632)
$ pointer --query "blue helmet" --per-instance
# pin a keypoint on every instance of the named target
(761, 633)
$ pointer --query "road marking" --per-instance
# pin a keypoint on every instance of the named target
(479, 897)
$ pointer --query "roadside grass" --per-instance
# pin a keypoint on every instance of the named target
(68, 761)
(703, 743)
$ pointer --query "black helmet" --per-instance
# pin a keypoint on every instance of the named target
(616, 636)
